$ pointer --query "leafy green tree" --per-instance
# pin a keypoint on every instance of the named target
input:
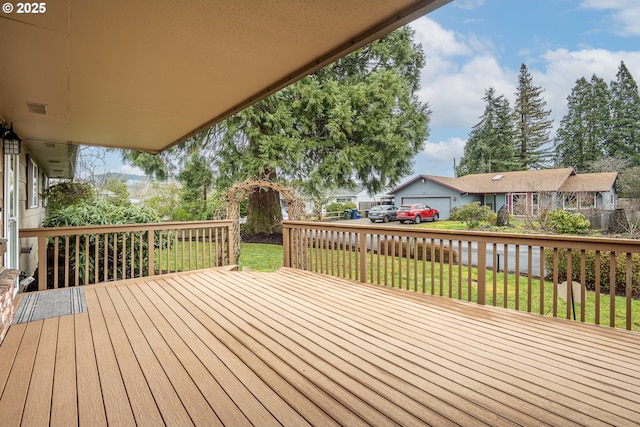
(532, 123)
(581, 137)
(624, 136)
(490, 144)
(164, 199)
(115, 191)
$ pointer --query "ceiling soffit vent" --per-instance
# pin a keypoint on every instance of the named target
(37, 108)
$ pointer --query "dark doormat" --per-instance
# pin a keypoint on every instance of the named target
(43, 305)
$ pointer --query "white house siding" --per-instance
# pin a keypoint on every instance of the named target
(29, 217)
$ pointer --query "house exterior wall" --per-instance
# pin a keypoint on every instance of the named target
(30, 216)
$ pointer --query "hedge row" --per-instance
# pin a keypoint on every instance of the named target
(605, 269)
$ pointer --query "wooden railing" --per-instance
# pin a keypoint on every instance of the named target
(460, 264)
(71, 256)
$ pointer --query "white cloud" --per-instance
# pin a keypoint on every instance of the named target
(625, 14)
(445, 151)
(458, 71)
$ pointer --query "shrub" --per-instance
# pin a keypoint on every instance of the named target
(565, 222)
(102, 213)
(339, 207)
(472, 214)
(69, 193)
(605, 269)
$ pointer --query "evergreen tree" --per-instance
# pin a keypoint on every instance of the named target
(583, 131)
(532, 123)
(624, 137)
(490, 144)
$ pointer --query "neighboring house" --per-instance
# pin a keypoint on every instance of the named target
(358, 195)
(524, 192)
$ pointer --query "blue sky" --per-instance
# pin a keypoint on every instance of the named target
(472, 45)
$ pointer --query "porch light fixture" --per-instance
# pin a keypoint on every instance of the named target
(11, 144)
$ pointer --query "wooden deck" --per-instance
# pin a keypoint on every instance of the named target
(296, 348)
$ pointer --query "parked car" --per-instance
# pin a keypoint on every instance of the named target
(384, 213)
(417, 212)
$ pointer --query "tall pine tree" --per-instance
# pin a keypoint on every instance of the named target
(532, 123)
(581, 137)
(624, 136)
(490, 144)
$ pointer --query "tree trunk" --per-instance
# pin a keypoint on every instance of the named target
(264, 215)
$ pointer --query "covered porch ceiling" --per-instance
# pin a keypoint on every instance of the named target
(145, 75)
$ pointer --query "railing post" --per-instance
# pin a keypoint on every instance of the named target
(482, 273)
(286, 245)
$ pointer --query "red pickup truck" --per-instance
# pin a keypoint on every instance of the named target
(417, 212)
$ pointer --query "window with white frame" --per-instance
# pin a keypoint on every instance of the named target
(33, 184)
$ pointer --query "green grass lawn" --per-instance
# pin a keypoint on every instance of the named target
(261, 257)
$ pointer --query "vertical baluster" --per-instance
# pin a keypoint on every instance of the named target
(441, 264)
(505, 276)
(393, 261)
(458, 255)
(597, 288)
(517, 270)
(450, 266)
(87, 256)
(612, 289)
(628, 293)
(541, 282)
(433, 266)
(469, 270)
(105, 276)
(424, 265)
(583, 281)
(66, 261)
(495, 274)
(96, 258)
(76, 265)
(569, 291)
(555, 282)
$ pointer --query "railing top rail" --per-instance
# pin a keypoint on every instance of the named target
(114, 228)
(545, 240)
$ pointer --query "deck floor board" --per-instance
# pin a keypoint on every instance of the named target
(295, 348)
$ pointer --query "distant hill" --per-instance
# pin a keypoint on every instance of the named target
(116, 175)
